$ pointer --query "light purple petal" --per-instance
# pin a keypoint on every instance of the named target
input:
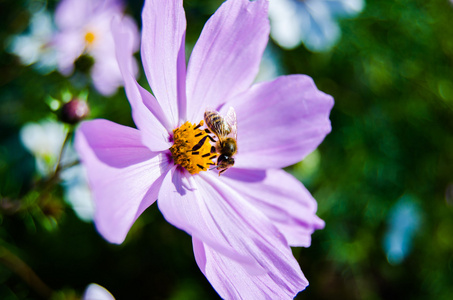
(282, 198)
(69, 46)
(106, 75)
(124, 175)
(280, 122)
(226, 58)
(232, 281)
(183, 205)
(70, 14)
(214, 213)
(163, 55)
(146, 111)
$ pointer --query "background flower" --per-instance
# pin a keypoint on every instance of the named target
(35, 46)
(84, 29)
(313, 22)
(403, 221)
(45, 140)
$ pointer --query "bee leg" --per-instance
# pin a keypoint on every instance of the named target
(211, 138)
(221, 171)
(199, 144)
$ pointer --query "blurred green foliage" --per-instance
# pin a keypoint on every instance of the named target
(391, 75)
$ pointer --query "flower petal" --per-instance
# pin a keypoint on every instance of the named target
(146, 111)
(163, 55)
(183, 205)
(69, 47)
(345, 8)
(282, 198)
(226, 58)
(106, 76)
(280, 122)
(308, 21)
(124, 175)
(287, 21)
(232, 281)
(72, 14)
(105, 72)
(96, 292)
(323, 31)
(214, 213)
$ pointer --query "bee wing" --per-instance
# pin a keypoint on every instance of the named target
(230, 119)
(219, 126)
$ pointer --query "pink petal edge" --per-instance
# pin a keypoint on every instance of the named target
(232, 281)
(282, 198)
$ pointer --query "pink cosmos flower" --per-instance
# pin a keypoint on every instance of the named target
(84, 28)
(242, 222)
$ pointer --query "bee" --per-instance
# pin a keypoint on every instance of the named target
(225, 128)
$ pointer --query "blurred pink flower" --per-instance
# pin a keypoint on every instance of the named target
(84, 28)
(243, 222)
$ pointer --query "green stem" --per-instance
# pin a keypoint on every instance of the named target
(19, 267)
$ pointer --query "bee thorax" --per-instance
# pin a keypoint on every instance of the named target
(228, 147)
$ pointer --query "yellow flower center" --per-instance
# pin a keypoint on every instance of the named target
(89, 37)
(191, 148)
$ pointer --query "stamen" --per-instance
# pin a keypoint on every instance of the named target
(89, 37)
(189, 142)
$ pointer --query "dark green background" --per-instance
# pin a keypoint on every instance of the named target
(391, 75)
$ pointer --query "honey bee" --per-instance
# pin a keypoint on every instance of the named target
(225, 128)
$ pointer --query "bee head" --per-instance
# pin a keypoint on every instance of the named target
(224, 161)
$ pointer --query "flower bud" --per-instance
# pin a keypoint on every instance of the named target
(74, 111)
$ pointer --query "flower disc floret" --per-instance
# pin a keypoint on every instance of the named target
(90, 37)
(191, 148)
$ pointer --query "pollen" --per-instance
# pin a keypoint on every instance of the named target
(192, 149)
(89, 37)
